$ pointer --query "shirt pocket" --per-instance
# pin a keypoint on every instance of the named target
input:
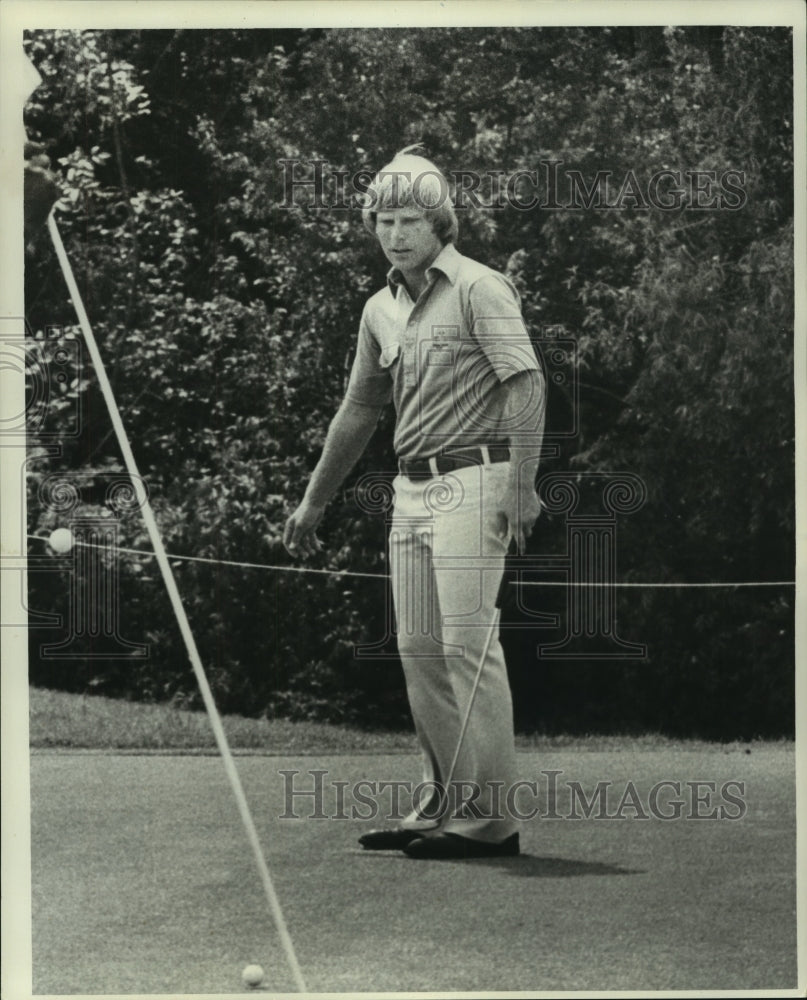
(389, 355)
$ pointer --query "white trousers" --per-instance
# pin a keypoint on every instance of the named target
(447, 559)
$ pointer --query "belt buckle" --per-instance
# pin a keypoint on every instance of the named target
(412, 472)
(480, 455)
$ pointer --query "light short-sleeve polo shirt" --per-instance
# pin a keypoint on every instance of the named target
(442, 360)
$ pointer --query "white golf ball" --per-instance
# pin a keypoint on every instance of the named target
(252, 975)
(61, 540)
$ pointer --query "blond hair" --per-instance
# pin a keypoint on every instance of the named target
(412, 180)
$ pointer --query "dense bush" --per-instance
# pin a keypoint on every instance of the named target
(225, 315)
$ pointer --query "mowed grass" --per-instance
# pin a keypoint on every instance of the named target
(142, 881)
(91, 722)
(59, 720)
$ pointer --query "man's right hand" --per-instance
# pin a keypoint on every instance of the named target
(347, 437)
(300, 533)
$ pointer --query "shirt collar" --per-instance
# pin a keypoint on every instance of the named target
(447, 262)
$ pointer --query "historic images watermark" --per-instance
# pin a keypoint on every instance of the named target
(316, 794)
(51, 365)
(88, 506)
(551, 186)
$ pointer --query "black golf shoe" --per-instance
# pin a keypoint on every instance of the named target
(448, 846)
(388, 840)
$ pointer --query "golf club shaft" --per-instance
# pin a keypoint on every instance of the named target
(488, 640)
(179, 610)
(500, 598)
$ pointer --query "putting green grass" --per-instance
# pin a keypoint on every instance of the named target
(143, 881)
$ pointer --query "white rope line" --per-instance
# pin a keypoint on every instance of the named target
(618, 583)
(385, 576)
(229, 562)
(179, 610)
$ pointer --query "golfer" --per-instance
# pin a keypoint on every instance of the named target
(445, 341)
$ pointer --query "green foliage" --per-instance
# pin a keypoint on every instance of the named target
(225, 314)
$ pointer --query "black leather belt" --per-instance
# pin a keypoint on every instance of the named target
(427, 468)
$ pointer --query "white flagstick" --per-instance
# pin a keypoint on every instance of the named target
(179, 610)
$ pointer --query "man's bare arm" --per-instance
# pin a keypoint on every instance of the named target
(524, 414)
(348, 435)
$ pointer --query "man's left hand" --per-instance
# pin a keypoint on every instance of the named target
(521, 511)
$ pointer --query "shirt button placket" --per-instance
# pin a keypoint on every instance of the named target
(409, 347)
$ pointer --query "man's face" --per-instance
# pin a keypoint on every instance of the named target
(407, 238)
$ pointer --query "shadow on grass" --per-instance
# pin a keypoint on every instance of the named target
(533, 866)
(522, 866)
